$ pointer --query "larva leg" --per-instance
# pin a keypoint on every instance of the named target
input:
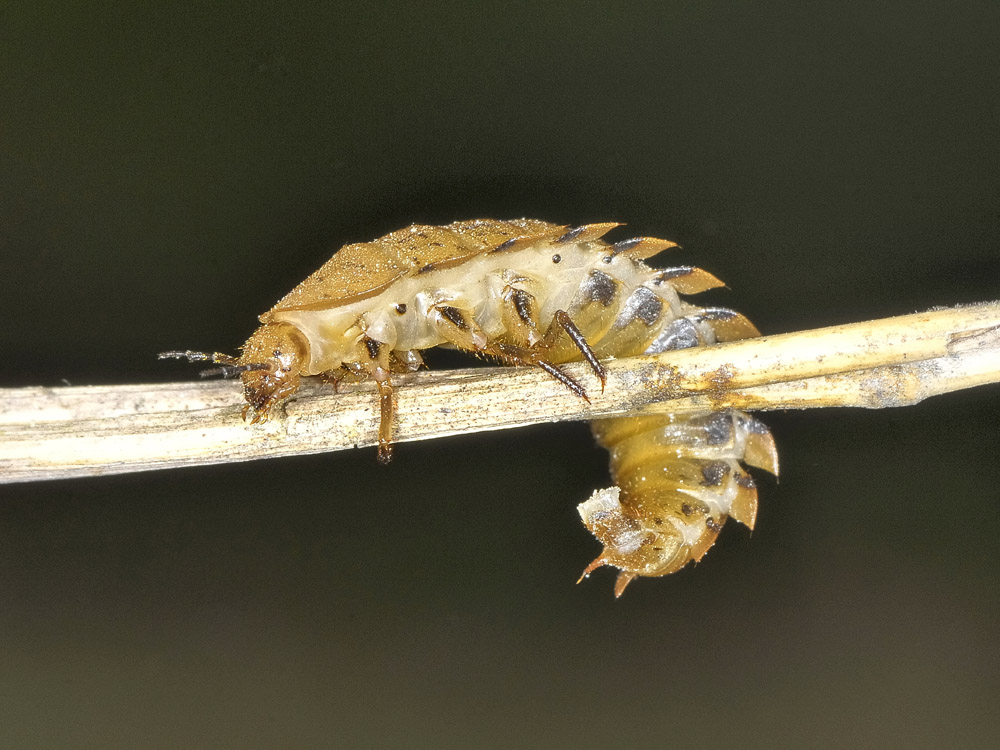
(405, 361)
(461, 331)
(376, 360)
(520, 314)
(344, 374)
(373, 360)
(355, 372)
(387, 415)
(576, 336)
(520, 355)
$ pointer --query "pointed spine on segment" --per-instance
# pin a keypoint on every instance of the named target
(642, 248)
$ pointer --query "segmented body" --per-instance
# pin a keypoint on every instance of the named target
(529, 292)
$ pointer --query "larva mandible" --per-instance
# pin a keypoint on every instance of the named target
(527, 292)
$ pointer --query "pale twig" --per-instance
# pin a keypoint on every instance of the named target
(49, 433)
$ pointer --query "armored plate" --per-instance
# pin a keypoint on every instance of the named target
(365, 269)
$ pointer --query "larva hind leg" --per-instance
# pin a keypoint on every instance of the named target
(561, 321)
(532, 356)
(460, 329)
(520, 316)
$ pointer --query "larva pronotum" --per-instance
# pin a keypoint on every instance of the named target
(527, 292)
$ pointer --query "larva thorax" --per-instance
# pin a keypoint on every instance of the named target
(530, 293)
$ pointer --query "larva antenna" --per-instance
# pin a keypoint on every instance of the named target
(190, 356)
(232, 371)
(230, 366)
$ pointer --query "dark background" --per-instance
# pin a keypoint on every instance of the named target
(167, 174)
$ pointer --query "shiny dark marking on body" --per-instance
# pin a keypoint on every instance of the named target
(718, 313)
(504, 245)
(648, 308)
(714, 473)
(680, 333)
(599, 287)
(571, 235)
(454, 316)
(522, 304)
(625, 245)
(719, 428)
(673, 273)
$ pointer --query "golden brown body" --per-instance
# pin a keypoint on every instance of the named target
(531, 293)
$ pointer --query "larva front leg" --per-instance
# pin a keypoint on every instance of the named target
(387, 415)
(375, 360)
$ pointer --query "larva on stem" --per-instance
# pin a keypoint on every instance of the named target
(526, 292)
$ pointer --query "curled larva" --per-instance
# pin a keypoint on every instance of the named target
(527, 292)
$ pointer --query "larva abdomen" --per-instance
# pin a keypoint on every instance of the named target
(527, 292)
(677, 479)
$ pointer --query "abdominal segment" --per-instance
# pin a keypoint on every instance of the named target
(678, 478)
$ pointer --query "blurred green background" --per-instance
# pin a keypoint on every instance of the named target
(167, 173)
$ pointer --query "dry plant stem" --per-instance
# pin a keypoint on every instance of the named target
(51, 433)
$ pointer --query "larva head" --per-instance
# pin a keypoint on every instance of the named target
(276, 354)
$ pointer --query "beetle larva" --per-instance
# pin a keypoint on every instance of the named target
(527, 292)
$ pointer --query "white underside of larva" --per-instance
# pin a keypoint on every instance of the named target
(474, 286)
